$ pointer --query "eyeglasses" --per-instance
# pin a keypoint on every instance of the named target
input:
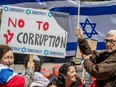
(110, 41)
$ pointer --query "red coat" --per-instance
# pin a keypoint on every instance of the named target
(93, 84)
(16, 81)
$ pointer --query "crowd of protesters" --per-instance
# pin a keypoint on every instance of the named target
(100, 65)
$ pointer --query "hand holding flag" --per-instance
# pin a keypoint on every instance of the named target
(79, 33)
(78, 2)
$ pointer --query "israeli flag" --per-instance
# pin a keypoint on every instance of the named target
(6, 74)
(96, 18)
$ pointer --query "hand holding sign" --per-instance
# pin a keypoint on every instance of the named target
(31, 63)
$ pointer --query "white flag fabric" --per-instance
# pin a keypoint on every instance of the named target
(96, 19)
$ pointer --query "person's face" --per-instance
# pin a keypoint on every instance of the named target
(7, 59)
(71, 74)
(110, 43)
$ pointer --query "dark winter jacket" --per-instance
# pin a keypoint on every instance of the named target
(101, 65)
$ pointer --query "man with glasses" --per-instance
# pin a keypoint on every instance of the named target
(100, 65)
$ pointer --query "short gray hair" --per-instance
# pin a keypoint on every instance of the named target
(112, 32)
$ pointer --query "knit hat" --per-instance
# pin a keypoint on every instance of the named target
(75, 61)
(35, 57)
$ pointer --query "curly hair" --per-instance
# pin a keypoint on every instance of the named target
(37, 63)
(63, 71)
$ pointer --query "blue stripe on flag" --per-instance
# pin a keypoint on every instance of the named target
(100, 10)
(5, 74)
(5, 2)
(101, 46)
(91, 11)
(73, 46)
(54, 0)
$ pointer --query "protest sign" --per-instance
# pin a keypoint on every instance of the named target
(92, 44)
(33, 31)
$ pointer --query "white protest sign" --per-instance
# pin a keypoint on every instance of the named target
(32, 31)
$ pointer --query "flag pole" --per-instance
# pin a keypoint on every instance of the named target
(78, 17)
(78, 21)
(31, 59)
(83, 75)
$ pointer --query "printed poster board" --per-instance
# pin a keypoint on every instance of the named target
(33, 31)
(92, 44)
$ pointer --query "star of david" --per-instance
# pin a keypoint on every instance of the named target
(6, 8)
(85, 30)
(28, 11)
(23, 49)
(46, 52)
(50, 14)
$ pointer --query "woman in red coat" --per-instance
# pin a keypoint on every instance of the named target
(8, 77)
